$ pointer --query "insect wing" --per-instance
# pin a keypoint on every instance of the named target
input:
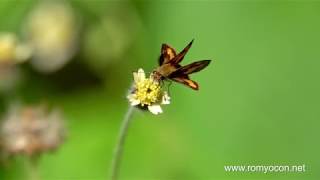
(167, 54)
(186, 81)
(178, 58)
(190, 68)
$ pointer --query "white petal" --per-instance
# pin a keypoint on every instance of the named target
(133, 101)
(139, 76)
(155, 109)
(165, 98)
(135, 76)
(130, 97)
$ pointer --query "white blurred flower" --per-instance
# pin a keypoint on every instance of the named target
(147, 92)
(32, 130)
(12, 51)
(107, 41)
(52, 31)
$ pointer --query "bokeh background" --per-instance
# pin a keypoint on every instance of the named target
(258, 102)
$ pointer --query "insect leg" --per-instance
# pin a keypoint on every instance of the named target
(168, 87)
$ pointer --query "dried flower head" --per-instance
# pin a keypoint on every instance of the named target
(147, 92)
(32, 130)
(12, 51)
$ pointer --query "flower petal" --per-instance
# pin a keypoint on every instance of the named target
(133, 101)
(139, 76)
(165, 98)
(155, 109)
(135, 77)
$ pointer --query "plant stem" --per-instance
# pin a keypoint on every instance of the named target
(120, 143)
(32, 166)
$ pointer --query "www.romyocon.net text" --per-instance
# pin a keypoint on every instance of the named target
(265, 168)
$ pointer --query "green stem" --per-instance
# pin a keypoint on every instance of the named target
(32, 167)
(118, 151)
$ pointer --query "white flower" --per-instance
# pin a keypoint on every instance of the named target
(147, 92)
(51, 29)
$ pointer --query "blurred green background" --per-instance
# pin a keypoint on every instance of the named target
(258, 102)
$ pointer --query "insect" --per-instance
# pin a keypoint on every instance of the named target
(169, 67)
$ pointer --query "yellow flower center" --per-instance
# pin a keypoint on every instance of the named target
(147, 91)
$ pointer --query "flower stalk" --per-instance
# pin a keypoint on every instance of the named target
(32, 166)
(118, 151)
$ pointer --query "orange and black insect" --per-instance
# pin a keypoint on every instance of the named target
(169, 67)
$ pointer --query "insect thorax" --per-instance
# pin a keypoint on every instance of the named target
(157, 76)
(165, 70)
